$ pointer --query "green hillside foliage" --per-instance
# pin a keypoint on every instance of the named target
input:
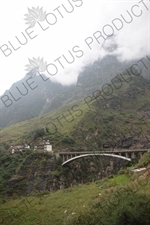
(145, 160)
(108, 118)
(122, 199)
(48, 96)
(128, 208)
(9, 164)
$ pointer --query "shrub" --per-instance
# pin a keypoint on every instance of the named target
(68, 140)
(120, 172)
(145, 160)
(127, 208)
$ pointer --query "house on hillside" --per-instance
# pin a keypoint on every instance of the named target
(19, 148)
(44, 146)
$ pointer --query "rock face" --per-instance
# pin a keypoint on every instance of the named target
(35, 173)
(43, 172)
(93, 168)
(49, 95)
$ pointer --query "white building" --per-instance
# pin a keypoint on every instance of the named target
(19, 148)
(45, 146)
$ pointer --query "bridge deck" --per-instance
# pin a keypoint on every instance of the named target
(107, 151)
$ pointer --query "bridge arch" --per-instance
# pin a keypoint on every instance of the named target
(94, 154)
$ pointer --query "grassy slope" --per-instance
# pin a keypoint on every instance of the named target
(18, 130)
(123, 117)
(60, 207)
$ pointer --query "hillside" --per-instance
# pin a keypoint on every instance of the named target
(114, 119)
(94, 115)
(120, 199)
(25, 173)
(35, 96)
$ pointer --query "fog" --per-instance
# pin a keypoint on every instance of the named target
(92, 30)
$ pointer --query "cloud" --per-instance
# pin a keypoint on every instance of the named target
(131, 42)
(84, 22)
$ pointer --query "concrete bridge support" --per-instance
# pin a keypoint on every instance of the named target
(141, 154)
(128, 153)
(133, 156)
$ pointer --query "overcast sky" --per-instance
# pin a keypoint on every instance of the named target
(70, 30)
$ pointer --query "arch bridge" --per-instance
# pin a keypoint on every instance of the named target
(125, 154)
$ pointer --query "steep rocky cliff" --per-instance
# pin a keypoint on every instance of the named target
(43, 172)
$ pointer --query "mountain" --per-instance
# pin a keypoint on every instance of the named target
(34, 96)
(81, 203)
(114, 116)
(28, 96)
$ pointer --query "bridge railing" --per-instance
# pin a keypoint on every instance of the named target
(107, 151)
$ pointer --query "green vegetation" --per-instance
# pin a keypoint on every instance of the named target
(128, 208)
(91, 125)
(145, 160)
(108, 201)
(109, 121)
(9, 164)
(41, 128)
(49, 96)
(120, 199)
(24, 172)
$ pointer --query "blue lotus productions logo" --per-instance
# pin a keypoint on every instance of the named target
(35, 15)
(36, 66)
